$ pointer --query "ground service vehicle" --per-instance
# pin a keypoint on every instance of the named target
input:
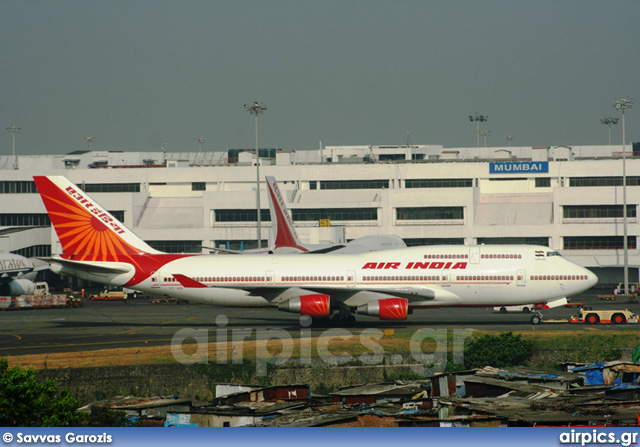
(619, 292)
(109, 295)
(591, 316)
(40, 299)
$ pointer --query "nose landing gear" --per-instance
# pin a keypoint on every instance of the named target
(536, 318)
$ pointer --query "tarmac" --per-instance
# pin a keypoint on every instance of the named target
(140, 323)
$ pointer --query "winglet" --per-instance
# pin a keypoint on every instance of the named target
(188, 283)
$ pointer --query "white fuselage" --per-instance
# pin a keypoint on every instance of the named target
(451, 275)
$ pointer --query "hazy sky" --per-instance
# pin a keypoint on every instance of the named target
(138, 73)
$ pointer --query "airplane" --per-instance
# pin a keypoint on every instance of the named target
(388, 284)
(17, 274)
(284, 237)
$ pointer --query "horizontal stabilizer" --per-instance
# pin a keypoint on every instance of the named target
(89, 267)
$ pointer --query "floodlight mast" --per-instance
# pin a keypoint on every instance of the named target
(90, 139)
(478, 119)
(509, 138)
(255, 109)
(609, 122)
(14, 130)
(200, 140)
(621, 105)
(485, 134)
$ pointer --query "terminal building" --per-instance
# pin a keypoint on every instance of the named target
(567, 198)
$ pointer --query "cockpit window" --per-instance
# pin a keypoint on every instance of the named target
(553, 253)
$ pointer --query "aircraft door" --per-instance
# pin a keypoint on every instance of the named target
(446, 278)
(521, 278)
(270, 278)
(155, 279)
(474, 255)
(351, 278)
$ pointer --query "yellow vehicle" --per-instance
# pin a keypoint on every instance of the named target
(108, 295)
(590, 316)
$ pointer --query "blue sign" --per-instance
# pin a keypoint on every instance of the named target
(518, 167)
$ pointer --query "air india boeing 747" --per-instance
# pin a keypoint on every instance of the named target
(387, 284)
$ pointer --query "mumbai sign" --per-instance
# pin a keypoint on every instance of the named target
(516, 167)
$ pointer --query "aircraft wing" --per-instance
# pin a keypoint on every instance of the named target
(347, 295)
(13, 271)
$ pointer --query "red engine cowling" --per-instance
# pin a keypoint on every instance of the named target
(386, 309)
(315, 305)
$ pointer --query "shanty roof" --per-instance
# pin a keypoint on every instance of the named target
(382, 389)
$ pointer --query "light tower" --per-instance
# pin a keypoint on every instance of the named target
(509, 138)
(14, 130)
(609, 122)
(200, 140)
(90, 139)
(621, 105)
(478, 119)
(255, 109)
(485, 134)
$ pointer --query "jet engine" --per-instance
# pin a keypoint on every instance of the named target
(316, 305)
(386, 309)
(17, 287)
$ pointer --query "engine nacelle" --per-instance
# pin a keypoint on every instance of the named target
(386, 309)
(316, 305)
(17, 287)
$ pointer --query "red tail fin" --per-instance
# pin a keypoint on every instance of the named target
(285, 233)
(86, 231)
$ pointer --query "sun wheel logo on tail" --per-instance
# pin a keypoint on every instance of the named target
(316, 305)
(387, 309)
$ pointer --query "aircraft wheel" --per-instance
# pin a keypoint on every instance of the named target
(536, 319)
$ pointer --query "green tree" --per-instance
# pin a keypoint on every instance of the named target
(28, 402)
(505, 349)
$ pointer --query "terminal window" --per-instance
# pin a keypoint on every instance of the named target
(439, 183)
(430, 213)
(543, 182)
(241, 215)
(354, 184)
(514, 240)
(598, 242)
(602, 181)
(335, 214)
(177, 246)
(419, 241)
(110, 187)
(18, 187)
(596, 211)
(24, 220)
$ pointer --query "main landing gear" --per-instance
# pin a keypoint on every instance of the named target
(337, 319)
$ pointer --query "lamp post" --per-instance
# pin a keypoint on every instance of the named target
(485, 133)
(509, 138)
(200, 140)
(255, 109)
(609, 122)
(13, 130)
(89, 139)
(478, 119)
(621, 105)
